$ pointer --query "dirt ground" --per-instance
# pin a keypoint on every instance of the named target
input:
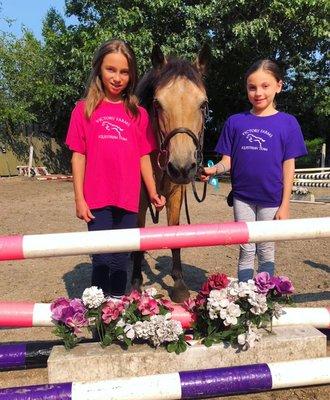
(28, 206)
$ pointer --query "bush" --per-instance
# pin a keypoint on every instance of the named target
(313, 158)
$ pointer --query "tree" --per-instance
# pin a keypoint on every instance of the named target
(294, 32)
(23, 81)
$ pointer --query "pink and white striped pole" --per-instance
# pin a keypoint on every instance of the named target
(20, 314)
(166, 237)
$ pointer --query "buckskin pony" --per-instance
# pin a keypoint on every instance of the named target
(173, 92)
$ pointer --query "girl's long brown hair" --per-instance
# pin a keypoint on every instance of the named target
(94, 90)
(267, 65)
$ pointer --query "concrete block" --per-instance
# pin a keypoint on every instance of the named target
(89, 362)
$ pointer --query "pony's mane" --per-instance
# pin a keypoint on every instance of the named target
(160, 77)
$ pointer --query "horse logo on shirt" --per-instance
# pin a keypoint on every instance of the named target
(112, 127)
(252, 138)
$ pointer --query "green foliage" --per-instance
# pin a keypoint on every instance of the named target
(312, 159)
(40, 82)
(70, 340)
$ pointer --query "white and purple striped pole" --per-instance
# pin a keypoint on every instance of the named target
(185, 385)
(20, 314)
(19, 247)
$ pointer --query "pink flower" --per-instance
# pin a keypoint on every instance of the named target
(216, 281)
(264, 282)
(111, 311)
(283, 285)
(167, 304)
(77, 321)
(133, 296)
(189, 304)
(200, 300)
(148, 306)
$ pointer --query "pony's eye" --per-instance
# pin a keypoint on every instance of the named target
(157, 104)
(204, 105)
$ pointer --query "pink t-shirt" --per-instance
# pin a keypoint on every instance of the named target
(113, 143)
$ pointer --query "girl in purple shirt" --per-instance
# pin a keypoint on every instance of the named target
(259, 148)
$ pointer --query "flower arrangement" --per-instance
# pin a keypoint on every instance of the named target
(138, 317)
(223, 310)
(232, 311)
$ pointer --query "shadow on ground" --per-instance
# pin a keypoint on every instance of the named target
(77, 280)
(322, 267)
(307, 297)
(194, 277)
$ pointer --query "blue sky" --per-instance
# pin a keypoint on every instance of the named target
(29, 13)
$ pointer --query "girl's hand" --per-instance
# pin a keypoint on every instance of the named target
(158, 201)
(207, 172)
(283, 212)
(83, 211)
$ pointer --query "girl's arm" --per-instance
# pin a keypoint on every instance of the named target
(78, 162)
(148, 178)
(220, 168)
(288, 174)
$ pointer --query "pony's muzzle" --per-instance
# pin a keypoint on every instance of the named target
(181, 175)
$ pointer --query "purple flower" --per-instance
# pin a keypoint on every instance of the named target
(59, 308)
(77, 305)
(283, 285)
(64, 310)
(264, 282)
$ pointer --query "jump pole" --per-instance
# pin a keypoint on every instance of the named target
(28, 355)
(20, 247)
(186, 384)
(25, 355)
(319, 176)
(320, 169)
(23, 315)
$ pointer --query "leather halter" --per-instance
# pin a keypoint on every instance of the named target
(166, 137)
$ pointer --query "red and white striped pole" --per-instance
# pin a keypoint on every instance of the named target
(166, 237)
(21, 314)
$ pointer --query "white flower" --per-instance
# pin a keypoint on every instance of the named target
(259, 303)
(248, 339)
(129, 331)
(218, 295)
(151, 291)
(121, 323)
(158, 330)
(241, 289)
(230, 314)
(216, 301)
(278, 310)
(93, 297)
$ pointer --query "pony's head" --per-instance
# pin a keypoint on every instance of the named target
(174, 94)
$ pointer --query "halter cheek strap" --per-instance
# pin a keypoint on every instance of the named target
(165, 138)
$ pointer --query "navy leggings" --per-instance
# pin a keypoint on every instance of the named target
(110, 269)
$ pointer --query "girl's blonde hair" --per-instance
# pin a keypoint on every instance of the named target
(94, 90)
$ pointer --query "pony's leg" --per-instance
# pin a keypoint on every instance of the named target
(138, 256)
(175, 196)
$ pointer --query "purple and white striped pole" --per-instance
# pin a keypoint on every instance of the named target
(165, 237)
(185, 385)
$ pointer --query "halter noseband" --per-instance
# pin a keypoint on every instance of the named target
(165, 139)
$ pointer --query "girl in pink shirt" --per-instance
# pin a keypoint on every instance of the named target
(111, 138)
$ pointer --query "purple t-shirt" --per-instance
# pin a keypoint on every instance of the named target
(257, 147)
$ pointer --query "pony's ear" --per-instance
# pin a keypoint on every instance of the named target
(157, 57)
(203, 59)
